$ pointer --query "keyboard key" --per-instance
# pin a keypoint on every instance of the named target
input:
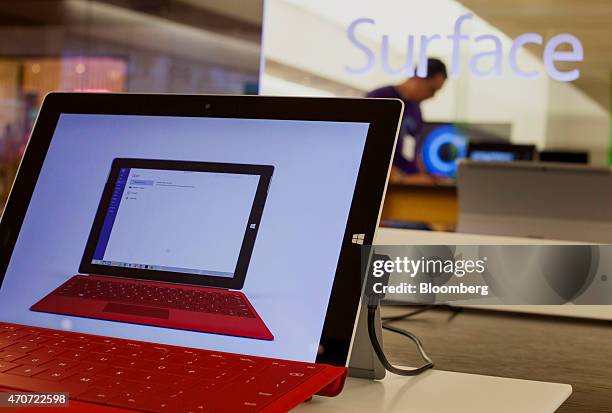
(79, 346)
(100, 348)
(204, 386)
(60, 364)
(36, 339)
(35, 360)
(158, 388)
(271, 380)
(130, 350)
(22, 347)
(90, 368)
(82, 378)
(182, 359)
(149, 377)
(155, 353)
(73, 355)
(249, 405)
(57, 342)
(81, 338)
(179, 401)
(13, 335)
(130, 353)
(102, 358)
(129, 400)
(131, 386)
(239, 404)
(224, 376)
(5, 365)
(10, 327)
(34, 384)
(102, 340)
(111, 349)
(27, 371)
(66, 343)
(118, 384)
(130, 362)
(53, 334)
(48, 351)
(6, 342)
(98, 395)
(54, 375)
(184, 370)
(161, 405)
(275, 379)
(11, 355)
(115, 372)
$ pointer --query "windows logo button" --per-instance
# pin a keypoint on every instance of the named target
(358, 239)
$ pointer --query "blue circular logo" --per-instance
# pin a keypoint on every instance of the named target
(442, 147)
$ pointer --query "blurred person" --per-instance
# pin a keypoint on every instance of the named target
(407, 166)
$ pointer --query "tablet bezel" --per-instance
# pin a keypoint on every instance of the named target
(382, 115)
(235, 282)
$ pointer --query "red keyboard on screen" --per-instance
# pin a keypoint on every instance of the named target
(156, 378)
(157, 295)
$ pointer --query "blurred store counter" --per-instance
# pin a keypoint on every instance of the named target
(420, 202)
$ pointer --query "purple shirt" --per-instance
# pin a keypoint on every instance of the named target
(412, 123)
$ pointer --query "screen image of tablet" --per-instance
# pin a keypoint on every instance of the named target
(229, 229)
(187, 223)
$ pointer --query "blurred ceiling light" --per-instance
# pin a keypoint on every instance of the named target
(79, 68)
(35, 68)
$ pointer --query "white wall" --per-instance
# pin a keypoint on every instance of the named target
(575, 121)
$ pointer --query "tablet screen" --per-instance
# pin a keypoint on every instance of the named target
(163, 224)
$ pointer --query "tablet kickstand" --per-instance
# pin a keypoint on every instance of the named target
(363, 360)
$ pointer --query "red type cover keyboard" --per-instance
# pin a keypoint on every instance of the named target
(159, 296)
(156, 378)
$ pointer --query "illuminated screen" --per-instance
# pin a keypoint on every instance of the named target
(149, 205)
(194, 222)
(492, 156)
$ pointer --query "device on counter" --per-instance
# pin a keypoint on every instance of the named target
(190, 294)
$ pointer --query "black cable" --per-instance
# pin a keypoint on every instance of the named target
(381, 354)
(373, 299)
